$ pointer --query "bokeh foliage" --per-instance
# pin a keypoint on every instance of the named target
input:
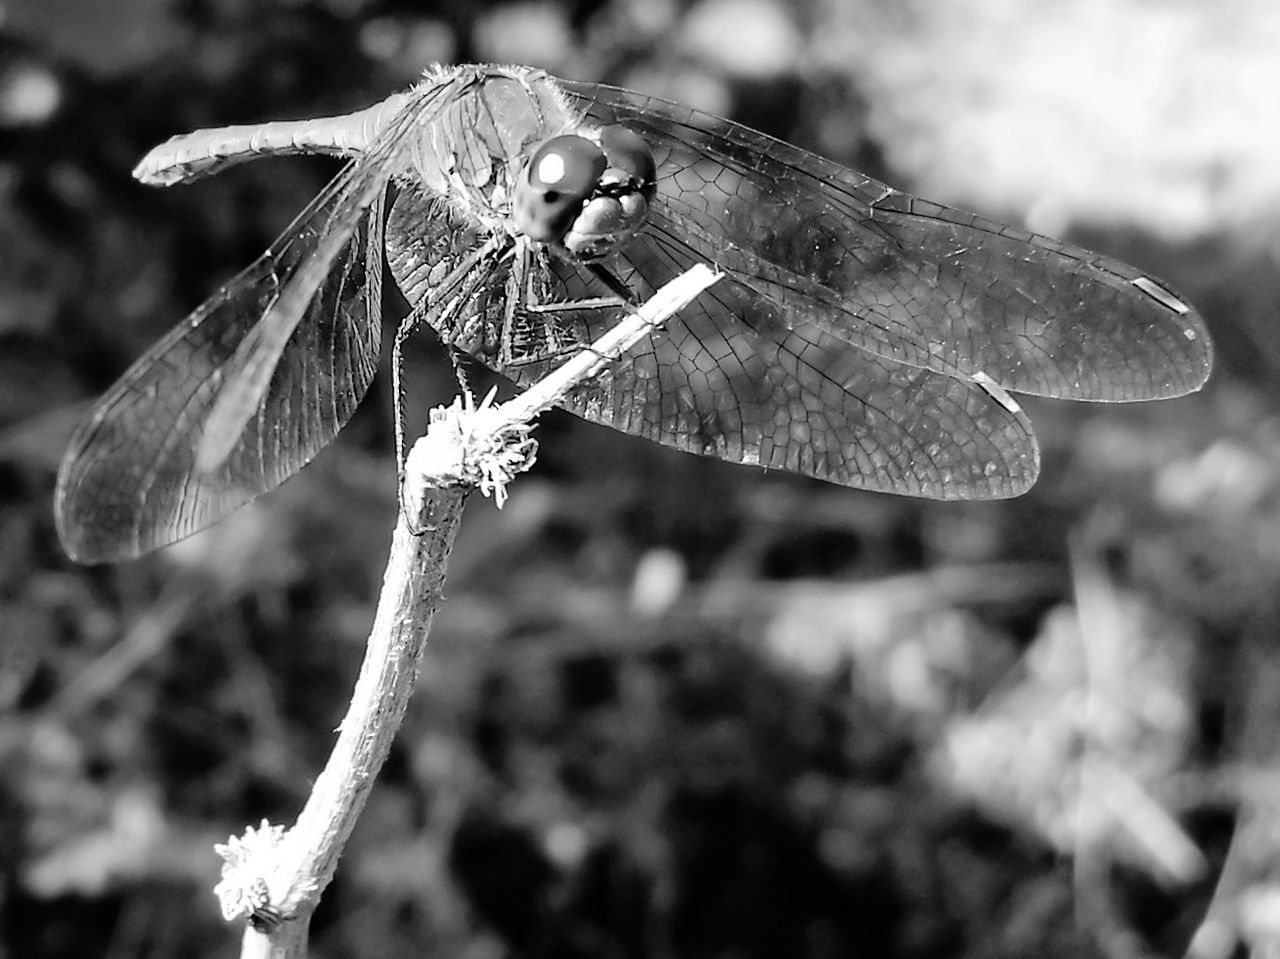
(673, 707)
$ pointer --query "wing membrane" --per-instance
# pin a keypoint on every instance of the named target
(130, 481)
(728, 379)
(909, 280)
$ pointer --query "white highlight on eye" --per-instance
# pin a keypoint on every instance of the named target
(551, 169)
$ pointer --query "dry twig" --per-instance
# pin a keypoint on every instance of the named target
(275, 876)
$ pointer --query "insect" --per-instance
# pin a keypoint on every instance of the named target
(860, 335)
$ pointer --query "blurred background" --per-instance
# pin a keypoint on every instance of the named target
(672, 707)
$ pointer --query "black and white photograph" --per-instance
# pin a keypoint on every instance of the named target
(639, 479)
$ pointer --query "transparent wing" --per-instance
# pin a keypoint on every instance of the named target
(810, 242)
(130, 481)
(728, 378)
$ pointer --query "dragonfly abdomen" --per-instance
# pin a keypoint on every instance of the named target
(190, 156)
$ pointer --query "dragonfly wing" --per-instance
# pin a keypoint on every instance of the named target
(798, 399)
(130, 481)
(909, 280)
(728, 378)
(246, 384)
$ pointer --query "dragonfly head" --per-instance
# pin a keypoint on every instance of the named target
(586, 195)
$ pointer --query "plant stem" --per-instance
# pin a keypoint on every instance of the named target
(277, 877)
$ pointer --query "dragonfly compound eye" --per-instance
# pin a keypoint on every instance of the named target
(626, 151)
(557, 181)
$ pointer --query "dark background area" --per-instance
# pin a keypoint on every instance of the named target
(672, 707)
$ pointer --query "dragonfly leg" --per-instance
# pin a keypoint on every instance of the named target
(440, 310)
(520, 265)
(595, 303)
(532, 331)
(458, 359)
(398, 395)
(607, 277)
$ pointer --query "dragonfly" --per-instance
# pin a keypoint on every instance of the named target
(859, 334)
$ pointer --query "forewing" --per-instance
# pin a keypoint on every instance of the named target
(906, 279)
(130, 481)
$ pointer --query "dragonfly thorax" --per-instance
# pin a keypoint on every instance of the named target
(585, 194)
